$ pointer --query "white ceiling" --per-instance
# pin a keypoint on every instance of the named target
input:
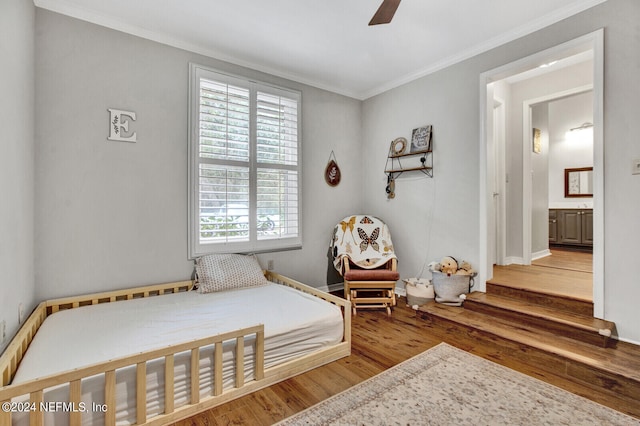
(327, 43)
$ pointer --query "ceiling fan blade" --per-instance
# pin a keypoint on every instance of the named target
(385, 12)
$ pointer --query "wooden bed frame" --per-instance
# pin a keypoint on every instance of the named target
(12, 356)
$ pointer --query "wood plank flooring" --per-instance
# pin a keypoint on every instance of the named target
(564, 273)
(379, 342)
(567, 259)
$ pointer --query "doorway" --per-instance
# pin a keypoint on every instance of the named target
(489, 235)
(551, 118)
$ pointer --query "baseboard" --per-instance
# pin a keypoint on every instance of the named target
(513, 260)
(540, 254)
(632, 342)
(335, 287)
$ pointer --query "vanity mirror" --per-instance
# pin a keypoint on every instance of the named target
(578, 182)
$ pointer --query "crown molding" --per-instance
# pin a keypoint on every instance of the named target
(73, 10)
(531, 27)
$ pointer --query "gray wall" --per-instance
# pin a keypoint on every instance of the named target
(430, 218)
(540, 186)
(114, 214)
(16, 161)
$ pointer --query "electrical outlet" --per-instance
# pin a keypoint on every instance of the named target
(636, 167)
(20, 313)
(3, 331)
(270, 264)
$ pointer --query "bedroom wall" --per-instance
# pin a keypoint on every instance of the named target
(114, 214)
(16, 162)
(430, 218)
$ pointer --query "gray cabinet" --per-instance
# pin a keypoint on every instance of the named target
(553, 226)
(587, 227)
(571, 227)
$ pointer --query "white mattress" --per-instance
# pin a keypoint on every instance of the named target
(295, 324)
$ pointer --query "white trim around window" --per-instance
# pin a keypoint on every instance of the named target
(244, 165)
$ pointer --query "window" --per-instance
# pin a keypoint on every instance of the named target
(244, 168)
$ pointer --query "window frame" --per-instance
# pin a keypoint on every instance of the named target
(254, 245)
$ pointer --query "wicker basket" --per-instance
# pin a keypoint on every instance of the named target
(419, 291)
(448, 288)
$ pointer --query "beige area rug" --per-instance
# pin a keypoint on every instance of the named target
(447, 386)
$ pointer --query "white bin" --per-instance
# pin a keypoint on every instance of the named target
(419, 291)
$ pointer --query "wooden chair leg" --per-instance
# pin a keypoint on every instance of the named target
(354, 299)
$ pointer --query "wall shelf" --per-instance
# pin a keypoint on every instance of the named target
(394, 167)
(416, 161)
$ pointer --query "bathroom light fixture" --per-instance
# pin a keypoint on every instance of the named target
(586, 125)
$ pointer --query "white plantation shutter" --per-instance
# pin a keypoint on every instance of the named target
(224, 121)
(277, 129)
(244, 165)
(277, 157)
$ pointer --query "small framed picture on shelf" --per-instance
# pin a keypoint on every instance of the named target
(421, 139)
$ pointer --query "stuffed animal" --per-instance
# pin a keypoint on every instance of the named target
(465, 269)
(448, 265)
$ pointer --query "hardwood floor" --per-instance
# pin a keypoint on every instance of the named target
(379, 342)
(567, 259)
(564, 273)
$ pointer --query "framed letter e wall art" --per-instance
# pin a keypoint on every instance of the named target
(119, 125)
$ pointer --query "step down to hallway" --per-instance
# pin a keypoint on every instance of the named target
(569, 324)
(556, 301)
(615, 370)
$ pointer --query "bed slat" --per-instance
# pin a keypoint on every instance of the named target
(259, 374)
(75, 394)
(141, 392)
(35, 417)
(239, 362)
(5, 416)
(110, 397)
(217, 370)
(169, 380)
(195, 375)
